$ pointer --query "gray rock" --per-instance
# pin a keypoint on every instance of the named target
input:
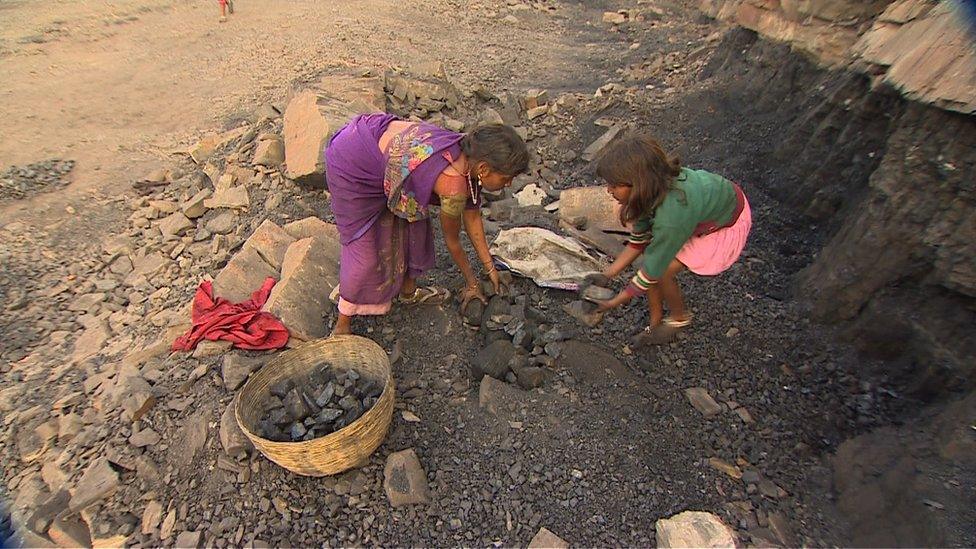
(281, 388)
(190, 440)
(297, 431)
(325, 396)
(143, 438)
(493, 360)
(329, 415)
(702, 401)
(234, 441)
(597, 293)
(404, 479)
(584, 312)
(531, 377)
(769, 489)
(98, 482)
(188, 540)
(498, 397)
(224, 223)
(295, 406)
(236, 369)
(587, 362)
(473, 313)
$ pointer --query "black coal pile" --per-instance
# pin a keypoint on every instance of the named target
(522, 343)
(22, 182)
(318, 405)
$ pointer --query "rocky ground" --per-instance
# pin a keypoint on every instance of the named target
(109, 437)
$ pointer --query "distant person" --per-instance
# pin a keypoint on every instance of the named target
(682, 219)
(384, 173)
(226, 6)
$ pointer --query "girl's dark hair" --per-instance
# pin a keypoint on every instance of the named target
(640, 162)
(499, 146)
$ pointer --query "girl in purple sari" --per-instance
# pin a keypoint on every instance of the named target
(384, 174)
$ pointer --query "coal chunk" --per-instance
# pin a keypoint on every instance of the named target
(317, 404)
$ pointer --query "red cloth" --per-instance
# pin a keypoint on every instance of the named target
(243, 323)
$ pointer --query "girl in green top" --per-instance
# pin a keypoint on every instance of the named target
(680, 219)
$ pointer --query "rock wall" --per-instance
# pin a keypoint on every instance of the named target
(882, 156)
(923, 48)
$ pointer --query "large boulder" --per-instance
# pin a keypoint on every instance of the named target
(271, 242)
(314, 115)
(309, 273)
(313, 226)
(242, 275)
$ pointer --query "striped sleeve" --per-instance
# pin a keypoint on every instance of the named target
(639, 284)
(640, 235)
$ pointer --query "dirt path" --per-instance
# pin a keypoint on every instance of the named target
(119, 86)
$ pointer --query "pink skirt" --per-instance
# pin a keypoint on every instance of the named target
(713, 253)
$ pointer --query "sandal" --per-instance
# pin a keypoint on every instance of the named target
(428, 295)
(663, 333)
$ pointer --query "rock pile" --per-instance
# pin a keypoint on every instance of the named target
(324, 403)
(522, 343)
(23, 182)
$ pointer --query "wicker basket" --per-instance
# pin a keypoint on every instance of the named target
(339, 451)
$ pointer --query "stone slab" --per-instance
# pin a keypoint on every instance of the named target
(694, 529)
(271, 242)
(309, 273)
(242, 275)
(404, 479)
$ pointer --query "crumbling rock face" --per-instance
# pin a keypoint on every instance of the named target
(910, 246)
(922, 48)
(889, 181)
(835, 128)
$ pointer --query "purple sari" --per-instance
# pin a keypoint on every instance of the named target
(381, 205)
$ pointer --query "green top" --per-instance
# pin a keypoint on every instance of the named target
(705, 197)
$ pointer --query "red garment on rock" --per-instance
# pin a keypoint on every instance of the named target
(245, 324)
